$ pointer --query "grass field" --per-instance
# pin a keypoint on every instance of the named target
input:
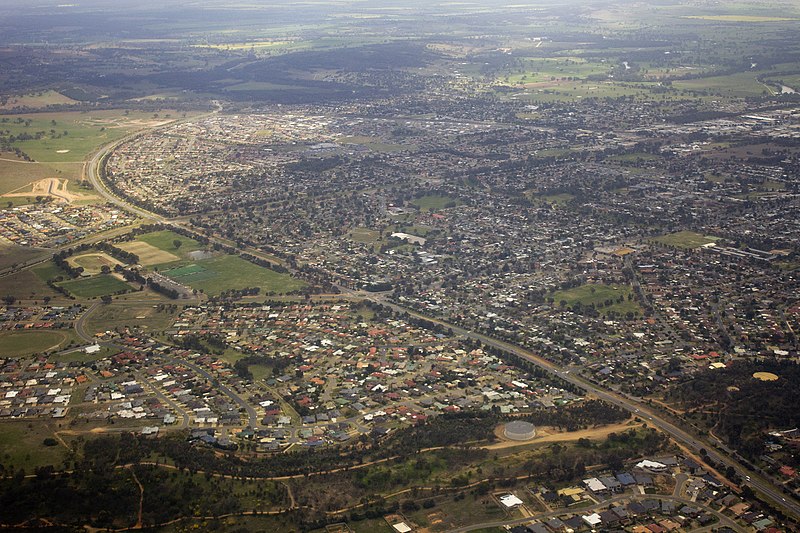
(26, 285)
(594, 293)
(144, 316)
(95, 286)
(148, 254)
(17, 343)
(740, 84)
(93, 263)
(375, 144)
(85, 132)
(536, 70)
(740, 18)
(365, 235)
(21, 445)
(38, 100)
(685, 239)
(435, 202)
(47, 271)
(559, 200)
(228, 272)
(165, 241)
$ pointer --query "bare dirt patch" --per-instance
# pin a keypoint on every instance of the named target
(546, 434)
(52, 187)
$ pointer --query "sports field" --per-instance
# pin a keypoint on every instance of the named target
(17, 343)
(226, 272)
(165, 241)
(148, 254)
(596, 294)
(93, 263)
(96, 286)
(686, 239)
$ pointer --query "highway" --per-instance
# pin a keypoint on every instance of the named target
(769, 491)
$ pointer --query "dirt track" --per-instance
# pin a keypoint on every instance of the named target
(549, 434)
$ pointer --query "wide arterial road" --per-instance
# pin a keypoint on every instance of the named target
(759, 484)
(767, 490)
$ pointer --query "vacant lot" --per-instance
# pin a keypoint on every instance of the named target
(11, 254)
(228, 272)
(26, 285)
(22, 445)
(364, 235)
(93, 287)
(16, 343)
(686, 239)
(145, 316)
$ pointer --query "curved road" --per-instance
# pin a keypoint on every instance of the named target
(766, 488)
(251, 412)
(763, 486)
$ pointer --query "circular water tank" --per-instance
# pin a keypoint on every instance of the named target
(519, 430)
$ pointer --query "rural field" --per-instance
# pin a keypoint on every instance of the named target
(70, 136)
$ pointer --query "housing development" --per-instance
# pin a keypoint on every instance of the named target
(400, 266)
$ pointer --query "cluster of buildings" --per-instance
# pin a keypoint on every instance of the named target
(57, 224)
(333, 365)
(37, 388)
(29, 317)
(655, 495)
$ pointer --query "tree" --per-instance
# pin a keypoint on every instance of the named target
(105, 269)
(177, 243)
(9, 299)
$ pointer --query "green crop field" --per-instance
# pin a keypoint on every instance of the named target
(538, 70)
(686, 239)
(17, 343)
(95, 286)
(594, 294)
(736, 85)
(228, 272)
